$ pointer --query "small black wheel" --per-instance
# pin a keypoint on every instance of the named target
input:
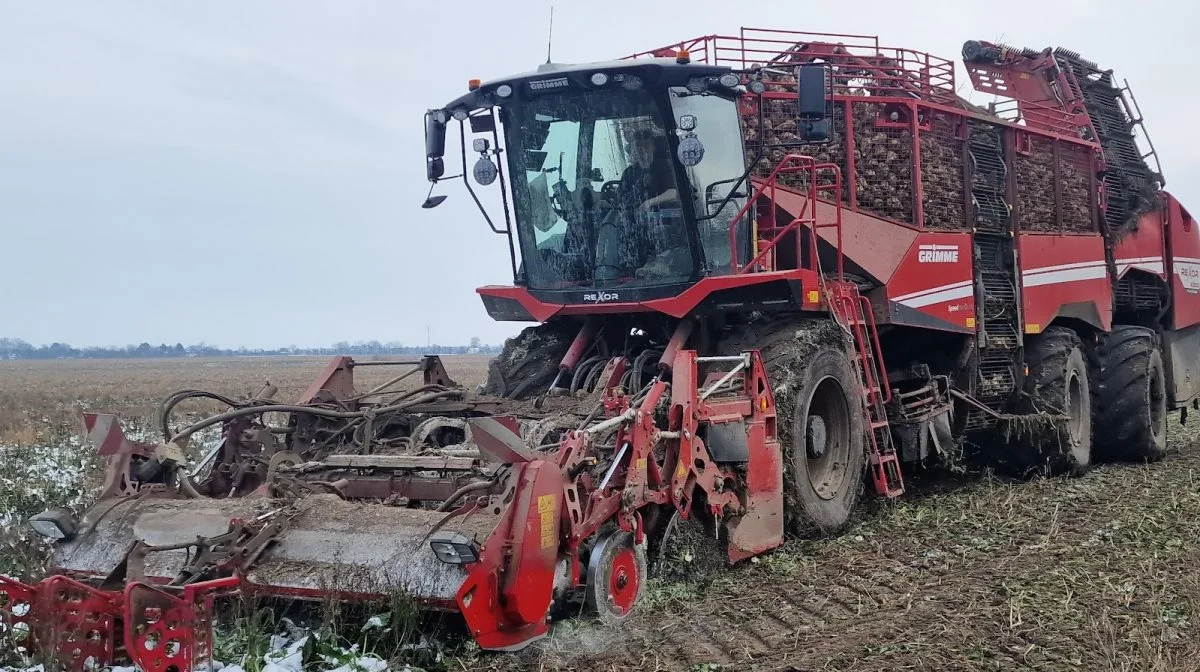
(1129, 386)
(1057, 386)
(615, 577)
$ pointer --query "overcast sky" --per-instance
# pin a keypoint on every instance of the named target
(250, 173)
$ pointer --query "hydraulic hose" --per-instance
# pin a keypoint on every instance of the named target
(462, 492)
(314, 410)
(175, 398)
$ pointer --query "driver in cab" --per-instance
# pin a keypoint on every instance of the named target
(652, 242)
(648, 182)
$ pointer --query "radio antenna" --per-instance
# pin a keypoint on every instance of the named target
(550, 39)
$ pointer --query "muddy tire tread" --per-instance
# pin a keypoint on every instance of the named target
(1048, 358)
(1121, 366)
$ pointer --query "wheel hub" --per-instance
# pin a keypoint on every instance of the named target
(827, 438)
(1075, 408)
(622, 586)
(816, 437)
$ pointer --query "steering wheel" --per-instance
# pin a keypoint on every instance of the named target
(608, 191)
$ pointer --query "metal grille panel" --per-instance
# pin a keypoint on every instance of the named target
(1075, 170)
(882, 165)
(942, 174)
(1034, 171)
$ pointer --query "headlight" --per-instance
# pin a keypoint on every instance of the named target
(461, 114)
(453, 548)
(757, 86)
(485, 171)
(729, 80)
(55, 524)
(599, 79)
(504, 90)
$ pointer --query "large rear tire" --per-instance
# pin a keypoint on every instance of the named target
(1129, 386)
(1057, 385)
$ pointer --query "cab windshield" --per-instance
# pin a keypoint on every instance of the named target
(595, 191)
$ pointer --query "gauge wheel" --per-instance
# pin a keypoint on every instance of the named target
(616, 576)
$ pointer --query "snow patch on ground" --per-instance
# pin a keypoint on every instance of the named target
(285, 656)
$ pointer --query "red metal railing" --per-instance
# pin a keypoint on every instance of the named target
(808, 216)
(861, 63)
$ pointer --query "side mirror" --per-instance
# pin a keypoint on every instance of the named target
(435, 144)
(814, 94)
(434, 169)
(435, 134)
(812, 89)
(433, 201)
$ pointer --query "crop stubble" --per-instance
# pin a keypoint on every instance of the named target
(1096, 572)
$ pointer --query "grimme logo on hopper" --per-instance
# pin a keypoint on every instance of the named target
(937, 254)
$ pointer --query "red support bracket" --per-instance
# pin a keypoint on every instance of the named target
(70, 621)
(81, 621)
(172, 631)
(19, 611)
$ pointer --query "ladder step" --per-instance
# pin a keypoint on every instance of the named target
(885, 463)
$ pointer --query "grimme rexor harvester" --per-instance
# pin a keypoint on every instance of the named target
(768, 271)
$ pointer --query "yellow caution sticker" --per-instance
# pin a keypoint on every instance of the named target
(681, 470)
(814, 296)
(641, 464)
(970, 323)
(1033, 328)
(546, 505)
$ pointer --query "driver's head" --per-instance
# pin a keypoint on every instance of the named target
(643, 146)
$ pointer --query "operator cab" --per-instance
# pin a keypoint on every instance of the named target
(628, 179)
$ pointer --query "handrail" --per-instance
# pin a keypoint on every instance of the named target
(914, 71)
(792, 164)
(874, 331)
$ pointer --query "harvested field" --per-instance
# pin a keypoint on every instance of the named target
(1092, 573)
(40, 395)
(978, 573)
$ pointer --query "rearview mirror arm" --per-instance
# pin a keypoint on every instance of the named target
(512, 250)
(462, 136)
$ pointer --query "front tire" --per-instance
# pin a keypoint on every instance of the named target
(827, 457)
(1129, 385)
(529, 361)
(808, 366)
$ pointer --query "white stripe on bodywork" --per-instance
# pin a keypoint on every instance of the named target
(943, 295)
(1053, 277)
(932, 290)
(1045, 275)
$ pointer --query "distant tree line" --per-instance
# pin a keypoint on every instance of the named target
(15, 348)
